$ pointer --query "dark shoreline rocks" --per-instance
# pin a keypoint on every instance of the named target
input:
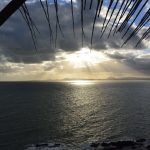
(140, 144)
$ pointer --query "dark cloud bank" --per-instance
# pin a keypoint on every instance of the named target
(16, 43)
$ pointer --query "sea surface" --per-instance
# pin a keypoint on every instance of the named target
(73, 113)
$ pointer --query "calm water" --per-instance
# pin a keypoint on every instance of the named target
(72, 113)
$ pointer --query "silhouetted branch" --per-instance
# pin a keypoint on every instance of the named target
(130, 14)
(29, 24)
(57, 18)
(91, 4)
(46, 12)
(111, 1)
(84, 4)
(110, 17)
(143, 37)
(141, 23)
(128, 9)
(135, 18)
(82, 21)
(94, 21)
(10, 9)
(72, 17)
(100, 7)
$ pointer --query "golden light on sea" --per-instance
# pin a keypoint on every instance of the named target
(81, 82)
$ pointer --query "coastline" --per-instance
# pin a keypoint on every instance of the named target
(139, 144)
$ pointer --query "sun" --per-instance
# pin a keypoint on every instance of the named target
(85, 57)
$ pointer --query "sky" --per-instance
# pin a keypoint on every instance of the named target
(69, 59)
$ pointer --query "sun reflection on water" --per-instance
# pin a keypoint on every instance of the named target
(81, 82)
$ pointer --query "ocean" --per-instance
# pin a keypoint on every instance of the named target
(73, 113)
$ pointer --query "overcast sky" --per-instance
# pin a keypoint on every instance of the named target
(69, 60)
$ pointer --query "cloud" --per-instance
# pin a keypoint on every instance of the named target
(16, 43)
(18, 56)
(139, 60)
(81, 64)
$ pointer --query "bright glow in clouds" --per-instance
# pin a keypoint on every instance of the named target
(86, 57)
(83, 64)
